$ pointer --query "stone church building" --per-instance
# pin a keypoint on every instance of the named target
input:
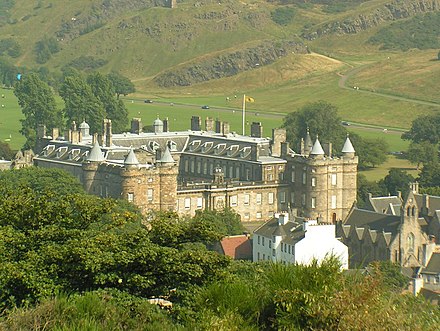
(208, 168)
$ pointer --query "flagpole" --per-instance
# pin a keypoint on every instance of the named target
(243, 112)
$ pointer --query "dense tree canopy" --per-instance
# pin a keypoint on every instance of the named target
(6, 152)
(122, 84)
(424, 128)
(37, 102)
(397, 181)
(322, 119)
(80, 103)
(115, 110)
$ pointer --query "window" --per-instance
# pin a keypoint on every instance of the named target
(199, 166)
(313, 202)
(192, 166)
(269, 176)
(282, 197)
(187, 203)
(289, 249)
(333, 201)
(292, 198)
(292, 176)
(264, 256)
(130, 197)
(205, 168)
(273, 252)
(303, 199)
(247, 216)
(258, 256)
(237, 172)
(248, 174)
(258, 238)
(211, 168)
(262, 241)
(150, 194)
(304, 177)
(281, 247)
(313, 181)
(334, 178)
(270, 198)
(258, 200)
(246, 199)
(199, 203)
(186, 165)
(233, 201)
(270, 243)
(410, 241)
(258, 214)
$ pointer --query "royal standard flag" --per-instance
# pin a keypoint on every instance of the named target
(249, 99)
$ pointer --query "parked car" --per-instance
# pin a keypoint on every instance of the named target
(205, 107)
(148, 101)
(345, 123)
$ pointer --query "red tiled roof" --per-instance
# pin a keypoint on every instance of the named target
(237, 247)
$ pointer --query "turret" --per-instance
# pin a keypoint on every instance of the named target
(348, 150)
(317, 150)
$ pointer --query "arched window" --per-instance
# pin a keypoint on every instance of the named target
(413, 211)
(408, 211)
(410, 242)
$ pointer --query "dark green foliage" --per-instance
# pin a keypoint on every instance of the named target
(91, 27)
(121, 84)
(5, 6)
(423, 152)
(420, 32)
(86, 63)
(10, 47)
(226, 222)
(397, 180)
(45, 48)
(80, 103)
(53, 240)
(283, 15)
(8, 73)
(104, 91)
(424, 128)
(6, 152)
(41, 180)
(101, 310)
(371, 152)
(364, 187)
(322, 120)
(328, 6)
(390, 273)
(430, 175)
(37, 102)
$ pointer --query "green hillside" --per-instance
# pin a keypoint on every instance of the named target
(284, 53)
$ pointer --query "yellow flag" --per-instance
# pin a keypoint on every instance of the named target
(249, 99)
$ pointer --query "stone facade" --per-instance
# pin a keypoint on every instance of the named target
(205, 169)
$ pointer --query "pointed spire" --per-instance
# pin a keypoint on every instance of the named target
(131, 158)
(308, 143)
(348, 146)
(95, 154)
(166, 156)
(317, 148)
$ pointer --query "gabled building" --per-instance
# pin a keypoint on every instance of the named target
(372, 236)
(209, 169)
(297, 240)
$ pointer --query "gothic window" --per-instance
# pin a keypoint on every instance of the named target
(410, 242)
(413, 211)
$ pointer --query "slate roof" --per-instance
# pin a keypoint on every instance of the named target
(433, 266)
(434, 202)
(291, 232)
(375, 221)
(382, 204)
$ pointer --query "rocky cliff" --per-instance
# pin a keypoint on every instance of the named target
(395, 10)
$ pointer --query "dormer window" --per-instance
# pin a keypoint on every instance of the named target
(207, 146)
(74, 154)
(193, 145)
(48, 149)
(219, 149)
(153, 145)
(61, 151)
(232, 150)
(245, 152)
(172, 145)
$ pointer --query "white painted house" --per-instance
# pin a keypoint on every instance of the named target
(297, 241)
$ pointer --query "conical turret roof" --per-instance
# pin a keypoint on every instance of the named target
(348, 146)
(317, 148)
(166, 156)
(95, 154)
(308, 143)
(131, 158)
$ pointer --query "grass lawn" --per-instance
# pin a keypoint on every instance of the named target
(392, 138)
(392, 162)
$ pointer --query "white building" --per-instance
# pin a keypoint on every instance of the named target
(297, 241)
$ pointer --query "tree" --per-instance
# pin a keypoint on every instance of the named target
(430, 175)
(424, 128)
(226, 222)
(81, 104)
(364, 187)
(115, 109)
(321, 118)
(121, 84)
(6, 152)
(397, 181)
(38, 105)
(423, 152)
(372, 152)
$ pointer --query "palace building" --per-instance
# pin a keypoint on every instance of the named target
(210, 168)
